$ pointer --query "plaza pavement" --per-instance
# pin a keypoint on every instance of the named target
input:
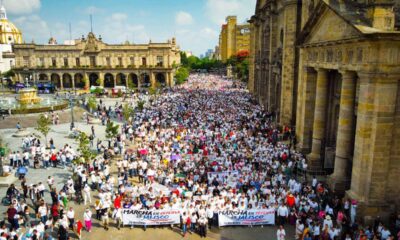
(59, 134)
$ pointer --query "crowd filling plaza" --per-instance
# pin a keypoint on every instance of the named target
(198, 156)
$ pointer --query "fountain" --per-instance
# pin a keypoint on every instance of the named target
(28, 96)
(27, 101)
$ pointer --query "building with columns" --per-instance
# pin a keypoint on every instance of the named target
(346, 90)
(91, 62)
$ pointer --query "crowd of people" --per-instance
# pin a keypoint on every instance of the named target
(199, 148)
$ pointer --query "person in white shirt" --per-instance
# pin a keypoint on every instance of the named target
(283, 213)
(86, 194)
(87, 218)
(280, 234)
(71, 217)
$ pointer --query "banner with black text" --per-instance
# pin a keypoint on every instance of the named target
(150, 217)
(246, 217)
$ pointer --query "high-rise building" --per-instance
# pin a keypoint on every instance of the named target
(233, 38)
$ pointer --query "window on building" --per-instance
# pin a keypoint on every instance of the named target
(108, 61)
(54, 62)
(26, 61)
(65, 62)
(132, 60)
(144, 63)
(78, 62)
(92, 61)
(41, 62)
(120, 61)
(160, 60)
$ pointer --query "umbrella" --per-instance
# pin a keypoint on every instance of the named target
(175, 157)
(143, 151)
(180, 175)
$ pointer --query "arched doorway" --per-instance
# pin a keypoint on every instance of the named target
(79, 82)
(43, 77)
(93, 77)
(108, 80)
(67, 80)
(121, 79)
(55, 80)
(133, 79)
(160, 78)
(145, 80)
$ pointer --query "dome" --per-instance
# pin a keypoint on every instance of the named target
(9, 33)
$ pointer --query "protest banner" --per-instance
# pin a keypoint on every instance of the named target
(150, 217)
(246, 217)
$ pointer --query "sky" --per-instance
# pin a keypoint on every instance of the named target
(195, 23)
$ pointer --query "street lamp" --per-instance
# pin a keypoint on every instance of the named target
(71, 103)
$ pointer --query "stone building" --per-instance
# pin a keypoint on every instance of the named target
(273, 70)
(233, 38)
(346, 90)
(91, 62)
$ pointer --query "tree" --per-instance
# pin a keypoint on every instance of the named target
(83, 147)
(181, 75)
(92, 104)
(140, 105)
(131, 85)
(43, 126)
(111, 130)
(127, 111)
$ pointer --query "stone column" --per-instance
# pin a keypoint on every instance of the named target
(168, 79)
(61, 81)
(115, 79)
(101, 77)
(152, 80)
(319, 120)
(73, 80)
(373, 143)
(339, 180)
(171, 79)
(87, 81)
(306, 106)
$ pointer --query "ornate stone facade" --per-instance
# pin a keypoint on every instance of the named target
(273, 71)
(91, 62)
(346, 85)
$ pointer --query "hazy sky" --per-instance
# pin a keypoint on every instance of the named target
(195, 23)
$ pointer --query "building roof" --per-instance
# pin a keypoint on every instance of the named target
(9, 33)
(352, 13)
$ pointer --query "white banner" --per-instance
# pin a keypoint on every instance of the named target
(228, 177)
(247, 217)
(148, 218)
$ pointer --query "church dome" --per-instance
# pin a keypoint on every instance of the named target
(9, 33)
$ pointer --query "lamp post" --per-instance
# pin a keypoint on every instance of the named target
(71, 103)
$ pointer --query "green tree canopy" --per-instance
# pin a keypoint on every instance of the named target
(181, 75)
(111, 130)
(92, 104)
(43, 126)
(83, 147)
(127, 111)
